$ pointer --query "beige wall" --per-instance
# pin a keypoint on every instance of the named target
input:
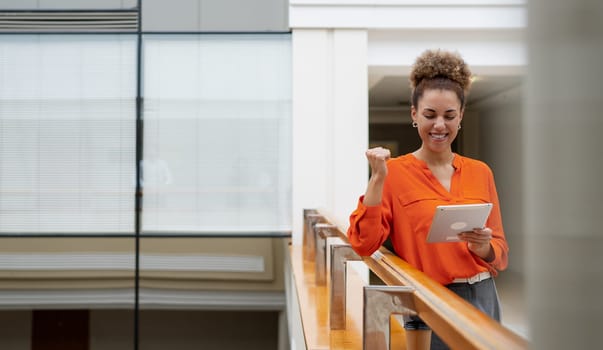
(500, 146)
(269, 249)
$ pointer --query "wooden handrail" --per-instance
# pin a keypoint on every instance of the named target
(313, 301)
(456, 321)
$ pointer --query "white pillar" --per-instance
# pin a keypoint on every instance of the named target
(330, 121)
(562, 133)
(349, 134)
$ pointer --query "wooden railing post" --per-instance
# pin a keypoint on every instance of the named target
(340, 254)
(322, 231)
(380, 302)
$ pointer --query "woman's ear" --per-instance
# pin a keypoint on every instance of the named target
(413, 113)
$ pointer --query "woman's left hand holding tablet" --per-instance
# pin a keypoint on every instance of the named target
(478, 241)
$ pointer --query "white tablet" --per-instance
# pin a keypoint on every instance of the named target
(450, 220)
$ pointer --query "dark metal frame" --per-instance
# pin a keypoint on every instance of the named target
(138, 193)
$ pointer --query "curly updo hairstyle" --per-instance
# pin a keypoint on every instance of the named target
(437, 69)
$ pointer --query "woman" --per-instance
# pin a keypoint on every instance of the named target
(402, 193)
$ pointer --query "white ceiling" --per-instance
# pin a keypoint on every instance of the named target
(393, 91)
(496, 57)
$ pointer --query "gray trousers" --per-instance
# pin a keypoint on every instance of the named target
(482, 295)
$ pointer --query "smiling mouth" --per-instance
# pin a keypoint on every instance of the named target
(438, 137)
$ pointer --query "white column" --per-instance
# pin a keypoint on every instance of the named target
(563, 165)
(349, 134)
(330, 121)
(311, 88)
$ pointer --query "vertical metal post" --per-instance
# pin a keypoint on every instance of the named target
(309, 239)
(307, 213)
(322, 231)
(380, 302)
(340, 254)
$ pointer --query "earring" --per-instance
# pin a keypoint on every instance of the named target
(414, 124)
(459, 126)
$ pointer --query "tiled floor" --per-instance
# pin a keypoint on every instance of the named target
(511, 290)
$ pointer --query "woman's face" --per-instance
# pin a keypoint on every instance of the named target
(438, 116)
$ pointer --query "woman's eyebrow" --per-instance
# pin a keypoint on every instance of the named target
(429, 109)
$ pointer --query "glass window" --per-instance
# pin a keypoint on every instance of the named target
(67, 133)
(217, 125)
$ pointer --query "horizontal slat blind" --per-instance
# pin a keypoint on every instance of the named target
(40, 21)
(67, 133)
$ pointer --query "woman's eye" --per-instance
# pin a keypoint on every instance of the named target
(429, 116)
(450, 117)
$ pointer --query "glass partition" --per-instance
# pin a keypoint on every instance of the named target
(67, 134)
(67, 187)
(217, 116)
(215, 162)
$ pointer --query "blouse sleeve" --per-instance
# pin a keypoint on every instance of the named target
(370, 225)
(499, 242)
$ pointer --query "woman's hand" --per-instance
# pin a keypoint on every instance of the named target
(377, 157)
(478, 241)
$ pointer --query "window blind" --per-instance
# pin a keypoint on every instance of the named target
(67, 133)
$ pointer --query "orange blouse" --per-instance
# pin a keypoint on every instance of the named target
(410, 195)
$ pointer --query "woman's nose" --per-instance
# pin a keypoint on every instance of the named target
(439, 122)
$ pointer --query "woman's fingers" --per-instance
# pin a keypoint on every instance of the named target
(378, 153)
(477, 236)
(377, 158)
